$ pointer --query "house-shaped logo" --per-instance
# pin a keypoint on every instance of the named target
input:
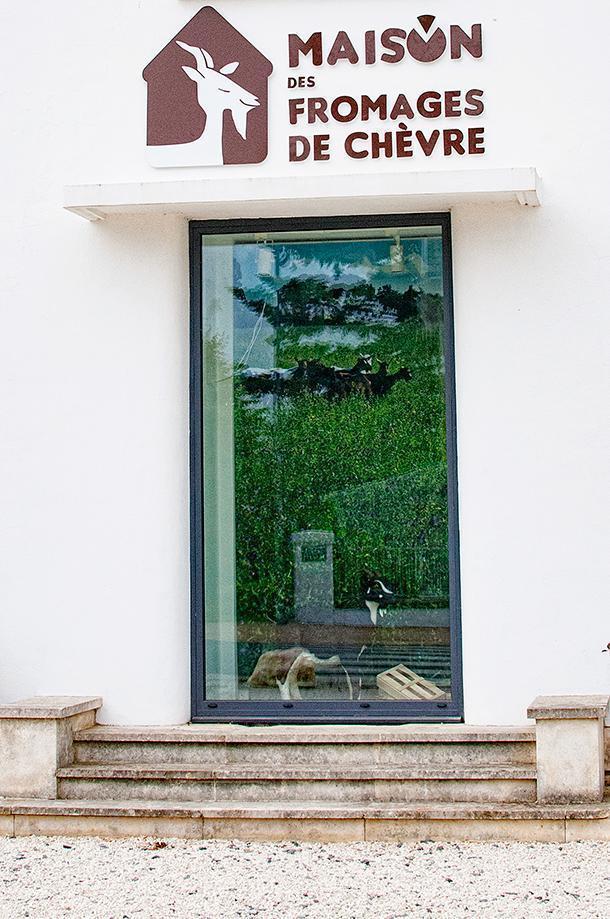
(207, 97)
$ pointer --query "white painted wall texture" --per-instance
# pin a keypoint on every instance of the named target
(94, 581)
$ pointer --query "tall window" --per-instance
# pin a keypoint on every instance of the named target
(329, 576)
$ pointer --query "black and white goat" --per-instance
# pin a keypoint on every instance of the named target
(377, 595)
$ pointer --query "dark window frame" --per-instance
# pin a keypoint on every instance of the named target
(331, 711)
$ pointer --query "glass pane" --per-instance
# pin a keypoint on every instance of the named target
(325, 467)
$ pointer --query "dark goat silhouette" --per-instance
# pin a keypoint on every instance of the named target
(276, 382)
(331, 382)
(382, 381)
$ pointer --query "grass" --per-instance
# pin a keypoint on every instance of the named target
(371, 470)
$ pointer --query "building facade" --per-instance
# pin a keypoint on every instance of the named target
(300, 300)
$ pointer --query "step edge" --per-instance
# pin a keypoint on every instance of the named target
(226, 772)
(449, 735)
(313, 810)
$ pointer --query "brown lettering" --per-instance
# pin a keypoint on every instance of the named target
(428, 143)
(342, 50)
(299, 148)
(296, 107)
(316, 110)
(379, 105)
(402, 108)
(474, 99)
(426, 50)
(381, 142)
(472, 43)
(429, 105)
(313, 46)
(344, 100)
(388, 40)
(349, 145)
(370, 53)
(476, 140)
(453, 140)
(404, 143)
(453, 108)
(321, 145)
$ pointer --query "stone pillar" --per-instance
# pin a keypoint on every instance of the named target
(569, 748)
(36, 739)
(314, 594)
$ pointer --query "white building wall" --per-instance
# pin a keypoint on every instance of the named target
(94, 581)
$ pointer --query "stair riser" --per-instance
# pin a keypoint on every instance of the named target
(407, 754)
(298, 791)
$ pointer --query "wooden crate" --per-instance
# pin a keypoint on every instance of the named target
(402, 683)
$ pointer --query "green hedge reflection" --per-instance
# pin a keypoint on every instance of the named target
(372, 470)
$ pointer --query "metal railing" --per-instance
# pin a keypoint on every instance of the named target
(418, 574)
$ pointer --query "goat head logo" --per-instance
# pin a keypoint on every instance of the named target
(207, 97)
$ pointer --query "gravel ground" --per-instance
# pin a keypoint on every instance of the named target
(92, 878)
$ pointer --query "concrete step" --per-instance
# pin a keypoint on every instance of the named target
(196, 782)
(314, 821)
(307, 744)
